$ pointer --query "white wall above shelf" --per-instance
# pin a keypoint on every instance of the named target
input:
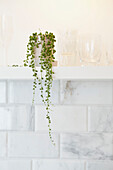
(79, 73)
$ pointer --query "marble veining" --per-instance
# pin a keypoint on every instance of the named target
(58, 165)
(85, 92)
(101, 165)
(100, 119)
(86, 146)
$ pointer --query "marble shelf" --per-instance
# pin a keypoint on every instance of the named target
(72, 73)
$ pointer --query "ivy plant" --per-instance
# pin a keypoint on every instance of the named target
(45, 41)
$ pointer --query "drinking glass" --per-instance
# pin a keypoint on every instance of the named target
(89, 49)
(67, 47)
(109, 53)
(6, 32)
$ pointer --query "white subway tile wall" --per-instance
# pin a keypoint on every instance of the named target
(17, 118)
(100, 119)
(21, 92)
(32, 145)
(82, 126)
(3, 144)
(57, 165)
(54, 93)
(2, 91)
(87, 146)
(15, 165)
(64, 118)
(102, 165)
(84, 92)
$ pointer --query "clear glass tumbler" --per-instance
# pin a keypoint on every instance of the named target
(89, 49)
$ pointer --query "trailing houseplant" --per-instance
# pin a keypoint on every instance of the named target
(45, 42)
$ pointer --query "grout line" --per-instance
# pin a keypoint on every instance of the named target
(59, 146)
(87, 121)
(65, 105)
(31, 164)
(59, 96)
(71, 104)
(34, 121)
(7, 144)
(85, 165)
(112, 92)
(7, 82)
(53, 158)
(55, 133)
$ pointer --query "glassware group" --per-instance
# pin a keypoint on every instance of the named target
(87, 48)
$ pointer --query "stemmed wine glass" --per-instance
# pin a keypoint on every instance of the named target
(6, 32)
(67, 47)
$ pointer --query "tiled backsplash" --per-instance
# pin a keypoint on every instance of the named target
(82, 125)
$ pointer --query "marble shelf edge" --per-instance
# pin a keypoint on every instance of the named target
(70, 73)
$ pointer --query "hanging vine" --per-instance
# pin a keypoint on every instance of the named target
(47, 43)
